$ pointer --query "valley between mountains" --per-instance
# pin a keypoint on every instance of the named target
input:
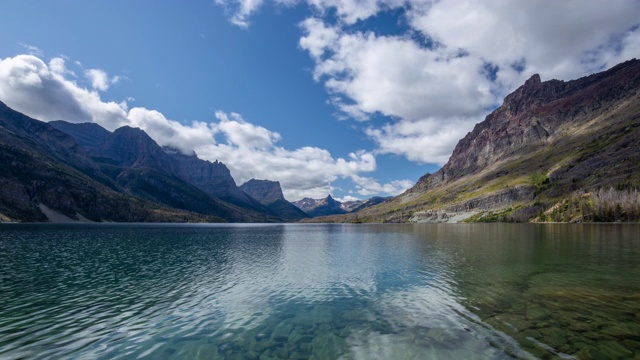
(553, 151)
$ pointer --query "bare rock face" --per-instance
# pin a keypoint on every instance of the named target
(214, 178)
(269, 193)
(265, 191)
(132, 147)
(534, 116)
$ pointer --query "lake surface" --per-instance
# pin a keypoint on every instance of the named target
(411, 291)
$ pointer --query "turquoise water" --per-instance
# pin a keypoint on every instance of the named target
(421, 291)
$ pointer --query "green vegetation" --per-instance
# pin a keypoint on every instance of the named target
(604, 205)
(540, 182)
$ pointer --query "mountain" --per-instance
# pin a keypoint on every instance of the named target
(140, 167)
(320, 207)
(269, 193)
(548, 143)
(44, 171)
(84, 172)
(357, 205)
(215, 179)
(329, 206)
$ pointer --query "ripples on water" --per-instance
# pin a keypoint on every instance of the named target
(321, 291)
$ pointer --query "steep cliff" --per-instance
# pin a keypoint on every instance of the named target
(44, 168)
(269, 193)
(102, 176)
(547, 141)
(214, 178)
(142, 168)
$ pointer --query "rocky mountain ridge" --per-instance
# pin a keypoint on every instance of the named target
(547, 141)
(84, 172)
(43, 170)
(320, 207)
(269, 193)
(143, 168)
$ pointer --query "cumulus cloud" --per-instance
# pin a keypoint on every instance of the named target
(44, 91)
(99, 79)
(553, 38)
(352, 11)
(457, 61)
(241, 10)
(348, 11)
(368, 186)
(30, 86)
(251, 151)
(171, 133)
(422, 141)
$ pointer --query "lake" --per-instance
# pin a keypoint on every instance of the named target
(322, 291)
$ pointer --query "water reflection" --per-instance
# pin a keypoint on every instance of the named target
(323, 291)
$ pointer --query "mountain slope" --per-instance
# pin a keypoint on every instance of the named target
(269, 193)
(142, 168)
(42, 166)
(548, 140)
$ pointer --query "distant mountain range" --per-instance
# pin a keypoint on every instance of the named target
(84, 172)
(553, 151)
(330, 206)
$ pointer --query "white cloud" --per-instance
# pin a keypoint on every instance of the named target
(251, 151)
(433, 82)
(428, 140)
(241, 10)
(41, 90)
(29, 85)
(368, 186)
(552, 37)
(434, 97)
(170, 132)
(352, 11)
(348, 11)
(99, 79)
(458, 60)
(347, 198)
(32, 50)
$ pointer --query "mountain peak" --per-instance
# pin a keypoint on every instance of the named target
(265, 191)
(533, 80)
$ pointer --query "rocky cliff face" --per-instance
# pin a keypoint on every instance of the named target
(42, 167)
(142, 167)
(214, 178)
(88, 135)
(265, 191)
(269, 193)
(120, 176)
(547, 141)
(535, 115)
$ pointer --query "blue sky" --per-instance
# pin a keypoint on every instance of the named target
(352, 98)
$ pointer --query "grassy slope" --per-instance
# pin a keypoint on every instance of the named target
(596, 151)
(30, 177)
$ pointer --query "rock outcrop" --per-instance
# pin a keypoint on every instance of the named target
(269, 193)
(547, 141)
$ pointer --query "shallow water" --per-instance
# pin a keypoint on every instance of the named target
(421, 291)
